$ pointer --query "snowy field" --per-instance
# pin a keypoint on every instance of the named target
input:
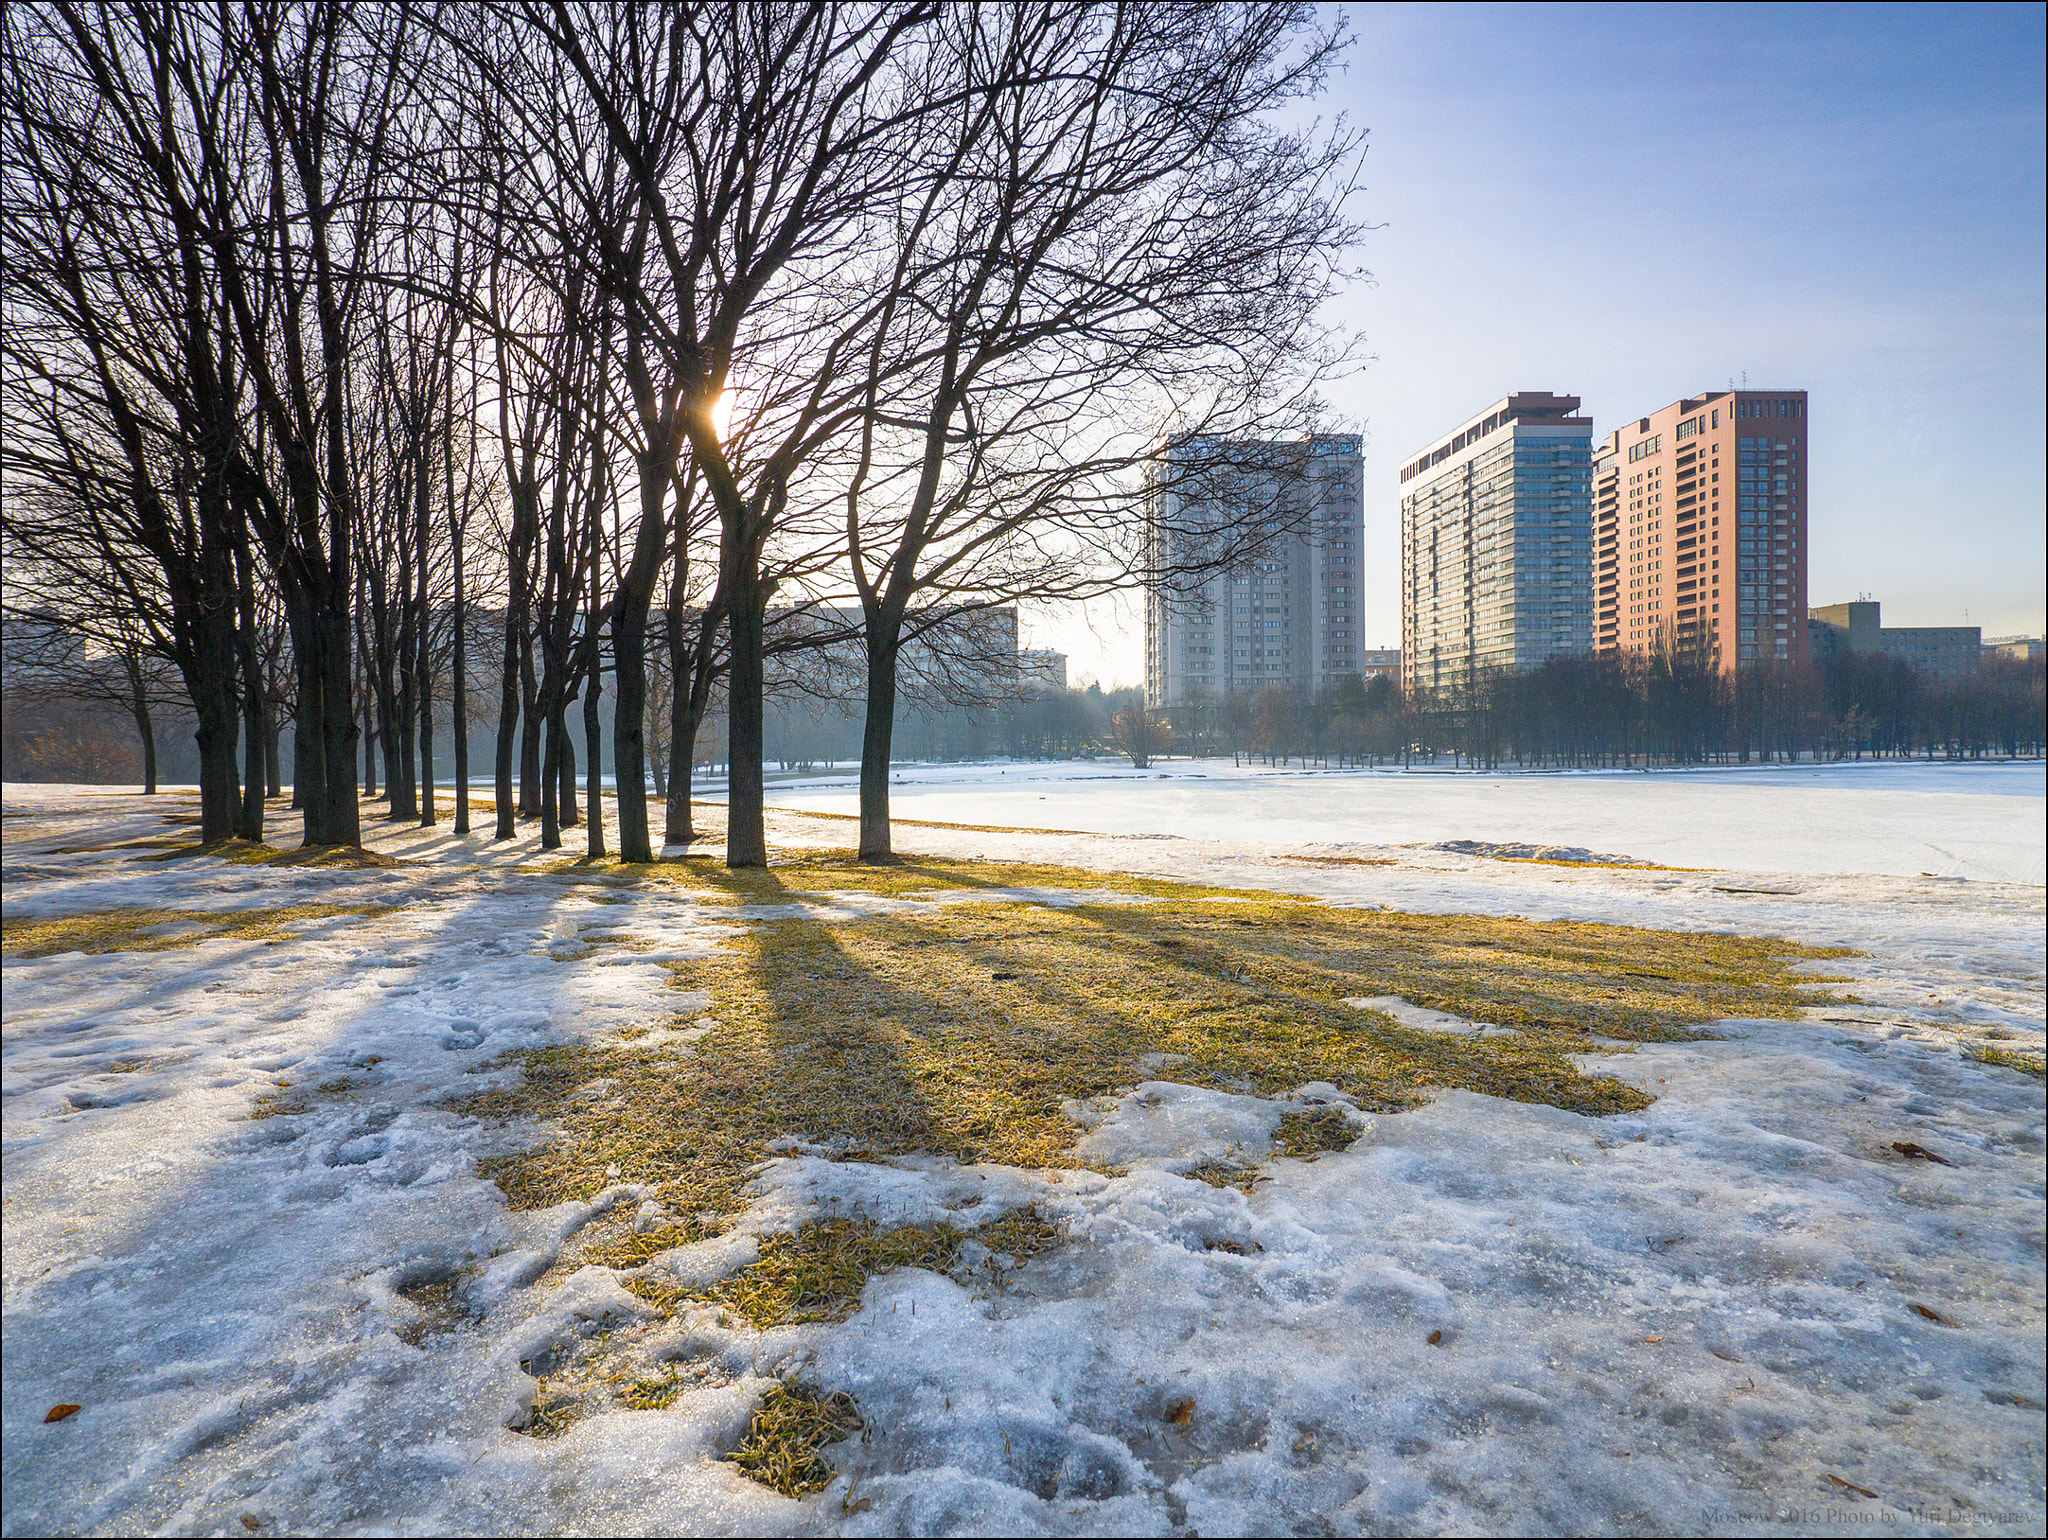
(1740, 1310)
(1979, 821)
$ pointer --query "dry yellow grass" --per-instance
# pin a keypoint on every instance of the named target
(962, 1032)
(160, 930)
(2034, 1064)
(784, 1445)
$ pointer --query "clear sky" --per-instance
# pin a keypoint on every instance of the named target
(1636, 203)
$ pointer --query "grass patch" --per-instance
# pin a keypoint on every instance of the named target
(817, 1272)
(1315, 1131)
(1339, 860)
(784, 1445)
(552, 1415)
(961, 1032)
(240, 852)
(161, 930)
(2034, 1064)
(155, 842)
(646, 1395)
(1223, 1173)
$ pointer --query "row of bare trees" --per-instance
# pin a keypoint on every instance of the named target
(1670, 708)
(330, 326)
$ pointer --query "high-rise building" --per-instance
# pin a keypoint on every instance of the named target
(1700, 528)
(1290, 617)
(1496, 551)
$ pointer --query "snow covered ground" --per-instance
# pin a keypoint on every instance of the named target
(1737, 1311)
(1980, 821)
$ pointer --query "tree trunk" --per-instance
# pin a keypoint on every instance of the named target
(550, 777)
(566, 769)
(145, 729)
(254, 693)
(399, 761)
(746, 838)
(629, 719)
(878, 733)
(219, 800)
(251, 822)
(683, 713)
(530, 725)
(593, 746)
(458, 685)
(683, 720)
(423, 631)
(324, 690)
(508, 718)
(426, 709)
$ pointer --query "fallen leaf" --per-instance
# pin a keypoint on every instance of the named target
(1850, 1486)
(1933, 1315)
(1182, 1412)
(1653, 1339)
(1001, 976)
(61, 1410)
(1730, 1357)
(1436, 1338)
(1913, 1151)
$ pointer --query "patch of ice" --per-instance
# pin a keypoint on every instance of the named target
(1421, 1018)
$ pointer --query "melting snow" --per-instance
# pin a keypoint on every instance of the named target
(1731, 1312)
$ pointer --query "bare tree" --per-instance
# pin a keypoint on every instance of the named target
(121, 383)
(1104, 242)
(748, 142)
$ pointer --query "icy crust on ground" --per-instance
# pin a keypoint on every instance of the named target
(1727, 1313)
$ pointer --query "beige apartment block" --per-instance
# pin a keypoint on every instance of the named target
(1699, 528)
(1293, 616)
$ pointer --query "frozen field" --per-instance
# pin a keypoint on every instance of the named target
(1983, 822)
(1738, 1311)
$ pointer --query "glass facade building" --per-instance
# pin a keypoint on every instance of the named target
(1496, 543)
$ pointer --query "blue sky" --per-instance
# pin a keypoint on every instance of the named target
(1632, 204)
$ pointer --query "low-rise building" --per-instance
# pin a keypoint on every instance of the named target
(2024, 648)
(1041, 668)
(1945, 652)
(1375, 661)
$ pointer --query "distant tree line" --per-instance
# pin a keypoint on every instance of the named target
(389, 371)
(1666, 709)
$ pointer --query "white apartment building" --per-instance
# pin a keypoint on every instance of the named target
(1496, 543)
(1291, 618)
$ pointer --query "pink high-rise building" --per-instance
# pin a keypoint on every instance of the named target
(1699, 528)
